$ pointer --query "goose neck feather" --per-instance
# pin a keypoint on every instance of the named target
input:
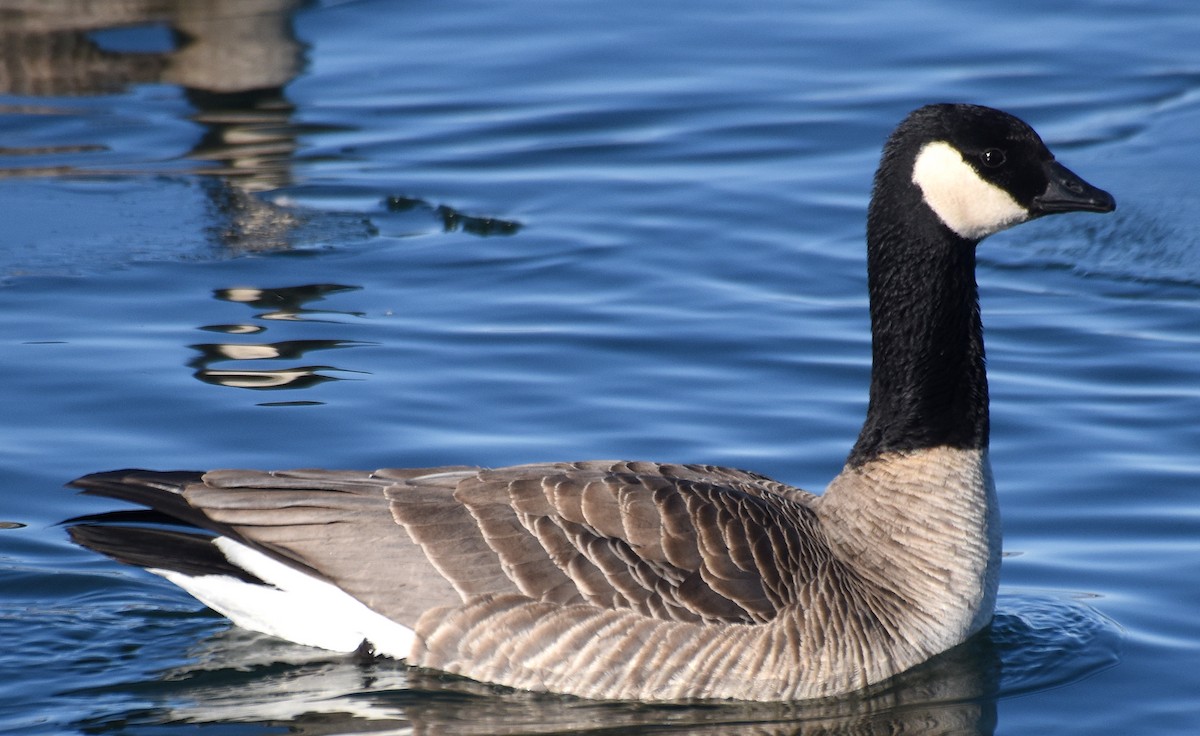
(923, 527)
(928, 377)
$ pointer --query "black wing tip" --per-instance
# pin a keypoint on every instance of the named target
(98, 483)
(162, 491)
(186, 552)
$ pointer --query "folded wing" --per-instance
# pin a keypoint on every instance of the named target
(673, 542)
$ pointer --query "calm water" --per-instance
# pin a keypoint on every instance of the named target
(371, 234)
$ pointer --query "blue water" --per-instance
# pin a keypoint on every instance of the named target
(365, 234)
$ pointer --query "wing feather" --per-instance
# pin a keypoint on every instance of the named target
(672, 542)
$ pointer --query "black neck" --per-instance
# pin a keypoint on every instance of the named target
(928, 380)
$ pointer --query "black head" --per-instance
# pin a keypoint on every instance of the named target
(981, 170)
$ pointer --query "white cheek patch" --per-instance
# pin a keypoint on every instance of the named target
(967, 204)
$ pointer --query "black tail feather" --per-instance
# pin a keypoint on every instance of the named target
(189, 553)
(161, 491)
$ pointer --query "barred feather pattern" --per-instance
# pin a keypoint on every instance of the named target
(622, 580)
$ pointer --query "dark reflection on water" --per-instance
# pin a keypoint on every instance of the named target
(234, 329)
(305, 376)
(238, 677)
(452, 219)
(287, 304)
(285, 350)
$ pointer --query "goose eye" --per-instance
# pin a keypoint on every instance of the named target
(993, 157)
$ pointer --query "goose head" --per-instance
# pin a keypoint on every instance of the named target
(978, 171)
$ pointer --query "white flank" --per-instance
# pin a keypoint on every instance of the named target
(299, 608)
(965, 202)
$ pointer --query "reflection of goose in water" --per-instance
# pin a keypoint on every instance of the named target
(283, 304)
(299, 377)
(234, 57)
(233, 60)
(644, 581)
(59, 48)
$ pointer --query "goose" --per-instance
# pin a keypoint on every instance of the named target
(657, 581)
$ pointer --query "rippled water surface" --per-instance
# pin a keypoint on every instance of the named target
(274, 234)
